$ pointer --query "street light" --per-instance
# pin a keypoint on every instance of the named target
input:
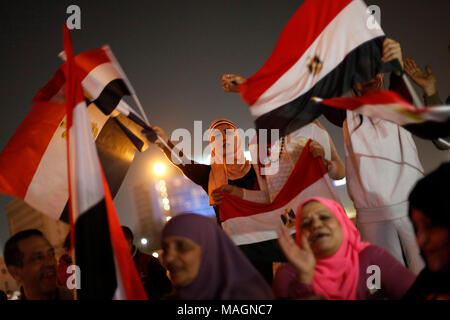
(159, 169)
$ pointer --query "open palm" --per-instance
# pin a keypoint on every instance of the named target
(301, 258)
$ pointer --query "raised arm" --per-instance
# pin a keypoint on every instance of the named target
(197, 173)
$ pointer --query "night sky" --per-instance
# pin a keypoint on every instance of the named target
(174, 53)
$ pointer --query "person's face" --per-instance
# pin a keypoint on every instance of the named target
(321, 228)
(129, 243)
(182, 257)
(373, 85)
(433, 241)
(38, 273)
(226, 135)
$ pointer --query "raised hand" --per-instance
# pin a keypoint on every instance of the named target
(426, 80)
(160, 132)
(317, 150)
(302, 259)
(231, 82)
(235, 191)
(392, 50)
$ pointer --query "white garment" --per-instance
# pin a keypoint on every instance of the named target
(293, 147)
(294, 144)
(382, 166)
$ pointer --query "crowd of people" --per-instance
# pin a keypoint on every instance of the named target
(401, 233)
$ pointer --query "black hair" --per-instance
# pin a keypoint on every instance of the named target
(12, 254)
(431, 196)
(128, 233)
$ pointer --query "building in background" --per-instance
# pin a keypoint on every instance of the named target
(21, 217)
(160, 199)
(7, 282)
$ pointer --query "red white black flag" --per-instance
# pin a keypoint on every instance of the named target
(101, 251)
(427, 123)
(249, 222)
(323, 50)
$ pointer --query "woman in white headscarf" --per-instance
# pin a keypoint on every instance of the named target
(228, 164)
(228, 168)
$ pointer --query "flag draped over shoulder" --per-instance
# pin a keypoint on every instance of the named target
(33, 164)
(249, 222)
(107, 268)
(323, 50)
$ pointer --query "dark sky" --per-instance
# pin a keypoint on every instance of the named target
(174, 52)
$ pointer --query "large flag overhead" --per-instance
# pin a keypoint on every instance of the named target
(427, 123)
(33, 164)
(107, 268)
(323, 50)
(249, 222)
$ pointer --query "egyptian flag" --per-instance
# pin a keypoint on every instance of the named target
(249, 223)
(324, 49)
(107, 268)
(427, 123)
(33, 164)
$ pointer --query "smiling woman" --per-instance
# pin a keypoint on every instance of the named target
(204, 264)
(329, 259)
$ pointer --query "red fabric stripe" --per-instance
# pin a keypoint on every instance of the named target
(131, 282)
(20, 158)
(52, 87)
(380, 97)
(307, 171)
(297, 36)
(89, 60)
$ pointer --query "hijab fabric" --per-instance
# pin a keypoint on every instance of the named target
(224, 273)
(336, 277)
(222, 172)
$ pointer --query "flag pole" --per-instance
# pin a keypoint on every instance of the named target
(418, 103)
(134, 95)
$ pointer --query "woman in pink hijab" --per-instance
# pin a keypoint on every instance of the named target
(330, 261)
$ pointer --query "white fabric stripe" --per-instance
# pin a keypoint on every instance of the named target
(98, 78)
(331, 47)
(395, 113)
(120, 293)
(86, 179)
(263, 226)
(48, 190)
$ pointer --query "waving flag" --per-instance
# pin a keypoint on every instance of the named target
(427, 123)
(323, 50)
(33, 164)
(249, 222)
(107, 268)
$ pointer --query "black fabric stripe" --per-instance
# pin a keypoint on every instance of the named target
(430, 129)
(94, 254)
(360, 65)
(116, 152)
(111, 95)
(138, 143)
